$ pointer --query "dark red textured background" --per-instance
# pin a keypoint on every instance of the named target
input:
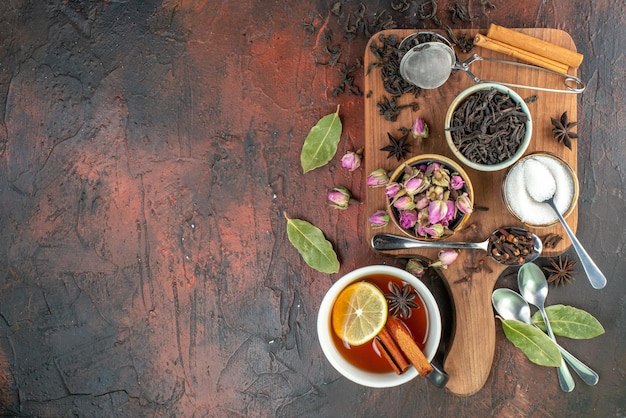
(148, 153)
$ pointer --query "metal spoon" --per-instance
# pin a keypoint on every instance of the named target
(534, 288)
(388, 242)
(511, 305)
(545, 194)
(535, 294)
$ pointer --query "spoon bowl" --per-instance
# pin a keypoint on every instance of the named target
(388, 242)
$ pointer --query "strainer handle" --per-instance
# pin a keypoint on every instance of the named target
(572, 84)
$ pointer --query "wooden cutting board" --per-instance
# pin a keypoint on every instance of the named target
(471, 278)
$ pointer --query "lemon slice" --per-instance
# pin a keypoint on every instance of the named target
(359, 313)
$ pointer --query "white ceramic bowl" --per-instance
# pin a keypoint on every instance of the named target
(539, 215)
(525, 141)
(376, 380)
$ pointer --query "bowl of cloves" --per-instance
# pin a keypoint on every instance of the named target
(429, 197)
(488, 127)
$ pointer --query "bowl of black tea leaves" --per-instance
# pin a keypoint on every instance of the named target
(488, 127)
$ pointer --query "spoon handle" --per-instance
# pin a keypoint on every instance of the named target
(566, 381)
(596, 278)
(586, 374)
(388, 242)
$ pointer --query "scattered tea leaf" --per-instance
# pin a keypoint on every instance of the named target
(310, 242)
(532, 342)
(320, 145)
(570, 322)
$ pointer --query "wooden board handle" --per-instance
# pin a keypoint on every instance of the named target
(470, 355)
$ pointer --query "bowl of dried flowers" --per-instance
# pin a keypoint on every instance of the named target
(488, 127)
(429, 197)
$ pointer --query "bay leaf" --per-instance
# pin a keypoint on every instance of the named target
(570, 322)
(532, 342)
(314, 248)
(320, 145)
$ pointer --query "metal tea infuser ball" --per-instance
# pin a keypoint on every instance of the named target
(428, 65)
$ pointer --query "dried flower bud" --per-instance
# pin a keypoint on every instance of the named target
(404, 203)
(377, 178)
(420, 129)
(445, 258)
(351, 161)
(392, 190)
(435, 231)
(450, 213)
(415, 267)
(416, 185)
(339, 198)
(421, 201)
(408, 219)
(437, 210)
(456, 182)
(379, 219)
(435, 193)
(463, 204)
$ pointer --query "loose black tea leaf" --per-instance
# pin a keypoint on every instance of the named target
(390, 109)
(532, 99)
(388, 56)
(459, 12)
(427, 9)
(488, 127)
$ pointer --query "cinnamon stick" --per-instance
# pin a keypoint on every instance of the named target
(391, 352)
(410, 349)
(535, 45)
(486, 42)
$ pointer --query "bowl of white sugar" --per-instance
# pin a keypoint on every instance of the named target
(522, 177)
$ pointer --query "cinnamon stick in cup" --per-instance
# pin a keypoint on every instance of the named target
(391, 352)
(410, 349)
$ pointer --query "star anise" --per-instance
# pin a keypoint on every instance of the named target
(400, 300)
(397, 147)
(562, 130)
(561, 270)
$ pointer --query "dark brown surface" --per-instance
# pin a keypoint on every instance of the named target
(149, 150)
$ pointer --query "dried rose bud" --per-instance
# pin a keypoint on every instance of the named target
(339, 198)
(450, 214)
(415, 185)
(379, 219)
(408, 219)
(445, 258)
(435, 231)
(392, 190)
(377, 178)
(415, 267)
(404, 203)
(463, 204)
(456, 182)
(437, 210)
(420, 129)
(351, 161)
(435, 193)
(421, 201)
